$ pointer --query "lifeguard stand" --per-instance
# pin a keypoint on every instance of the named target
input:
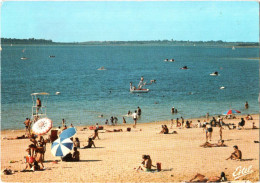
(39, 112)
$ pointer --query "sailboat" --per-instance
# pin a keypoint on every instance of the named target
(233, 48)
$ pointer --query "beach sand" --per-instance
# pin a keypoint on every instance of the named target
(118, 153)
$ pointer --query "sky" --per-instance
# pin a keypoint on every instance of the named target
(81, 21)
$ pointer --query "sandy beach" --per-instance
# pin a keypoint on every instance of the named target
(118, 153)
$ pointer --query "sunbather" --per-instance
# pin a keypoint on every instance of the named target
(202, 178)
(219, 144)
(90, 144)
(236, 155)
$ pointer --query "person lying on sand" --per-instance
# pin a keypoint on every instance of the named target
(146, 164)
(219, 144)
(18, 137)
(202, 178)
(115, 130)
(236, 155)
(90, 144)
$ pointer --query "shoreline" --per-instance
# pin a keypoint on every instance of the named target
(143, 123)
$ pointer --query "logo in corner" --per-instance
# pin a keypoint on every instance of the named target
(242, 171)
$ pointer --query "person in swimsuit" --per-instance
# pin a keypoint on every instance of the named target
(95, 135)
(236, 155)
(90, 144)
(76, 154)
(219, 144)
(38, 104)
(146, 165)
(76, 142)
(202, 178)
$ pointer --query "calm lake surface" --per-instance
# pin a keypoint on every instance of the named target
(86, 93)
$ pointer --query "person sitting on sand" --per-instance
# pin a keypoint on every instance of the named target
(202, 178)
(219, 144)
(76, 154)
(162, 131)
(166, 130)
(236, 155)
(72, 157)
(146, 165)
(242, 123)
(90, 144)
(254, 127)
(115, 130)
(39, 157)
(76, 142)
(95, 135)
(249, 117)
(187, 124)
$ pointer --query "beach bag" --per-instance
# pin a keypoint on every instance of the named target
(159, 166)
(128, 129)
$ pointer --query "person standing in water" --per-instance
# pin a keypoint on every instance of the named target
(139, 111)
(246, 105)
(135, 118)
(141, 83)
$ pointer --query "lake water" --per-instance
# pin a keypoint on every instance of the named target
(87, 92)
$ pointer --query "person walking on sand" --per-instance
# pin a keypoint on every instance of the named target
(134, 118)
(210, 130)
(220, 132)
(95, 135)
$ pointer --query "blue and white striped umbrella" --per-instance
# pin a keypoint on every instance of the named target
(68, 133)
(61, 147)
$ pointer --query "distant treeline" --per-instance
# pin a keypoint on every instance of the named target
(151, 42)
(25, 41)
